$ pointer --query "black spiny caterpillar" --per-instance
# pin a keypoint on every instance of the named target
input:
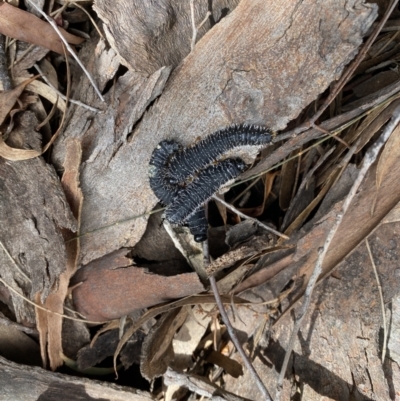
(186, 162)
(201, 189)
(158, 171)
(166, 192)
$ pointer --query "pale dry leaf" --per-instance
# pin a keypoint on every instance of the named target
(49, 71)
(14, 154)
(7, 102)
(46, 91)
(8, 98)
(157, 310)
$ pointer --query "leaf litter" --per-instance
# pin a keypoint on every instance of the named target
(269, 273)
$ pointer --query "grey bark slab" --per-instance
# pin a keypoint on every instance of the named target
(159, 31)
(33, 208)
(26, 383)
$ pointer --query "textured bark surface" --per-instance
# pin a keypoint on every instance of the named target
(36, 384)
(159, 31)
(262, 64)
(33, 208)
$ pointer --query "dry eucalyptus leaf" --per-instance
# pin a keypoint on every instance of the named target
(157, 350)
(113, 287)
(25, 26)
(46, 91)
(7, 102)
(189, 335)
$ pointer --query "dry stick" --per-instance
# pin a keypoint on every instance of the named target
(244, 216)
(199, 385)
(91, 19)
(385, 333)
(77, 102)
(54, 25)
(194, 29)
(343, 79)
(369, 159)
(231, 330)
(236, 341)
(335, 137)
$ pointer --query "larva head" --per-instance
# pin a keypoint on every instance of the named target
(169, 146)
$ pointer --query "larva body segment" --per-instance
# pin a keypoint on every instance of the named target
(165, 192)
(158, 171)
(202, 188)
(198, 225)
(184, 163)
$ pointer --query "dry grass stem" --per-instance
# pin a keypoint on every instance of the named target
(233, 209)
(71, 51)
(77, 102)
(385, 332)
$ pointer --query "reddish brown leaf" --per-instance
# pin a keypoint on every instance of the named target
(112, 287)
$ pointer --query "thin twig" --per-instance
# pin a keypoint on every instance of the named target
(232, 333)
(385, 333)
(369, 159)
(199, 385)
(194, 32)
(236, 341)
(244, 216)
(71, 51)
(326, 132)
(90, 17)
(194, 28)
(77, 102)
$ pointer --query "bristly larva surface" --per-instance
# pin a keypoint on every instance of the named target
(165, 192)
(158, 171)
(202, 188)
(186, 162)
(198, 225)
